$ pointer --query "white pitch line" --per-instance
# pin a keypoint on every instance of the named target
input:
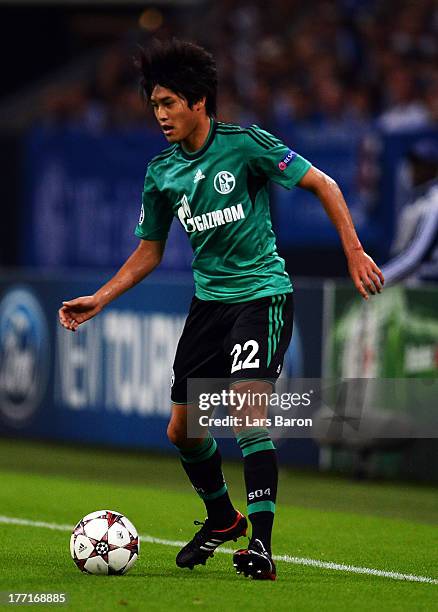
(9, 520)
(340, 567)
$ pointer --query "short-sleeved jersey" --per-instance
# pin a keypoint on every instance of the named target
(220, 194)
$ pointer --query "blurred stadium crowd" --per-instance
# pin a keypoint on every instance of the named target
(353, 82)
(349, 62)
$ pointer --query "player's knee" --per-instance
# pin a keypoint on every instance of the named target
(176, 435)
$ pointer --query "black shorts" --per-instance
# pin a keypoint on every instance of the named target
(243, 341)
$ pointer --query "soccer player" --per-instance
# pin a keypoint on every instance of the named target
(214, 177)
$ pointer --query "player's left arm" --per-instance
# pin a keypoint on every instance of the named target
(366, 275)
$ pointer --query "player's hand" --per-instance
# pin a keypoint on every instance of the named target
(366, 275)
(75, 312)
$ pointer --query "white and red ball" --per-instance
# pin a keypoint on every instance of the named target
(104, 542)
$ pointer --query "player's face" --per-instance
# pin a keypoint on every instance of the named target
(173, 114)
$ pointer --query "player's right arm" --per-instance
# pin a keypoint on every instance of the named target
(270, 157)
(143, 260)
(153, 227)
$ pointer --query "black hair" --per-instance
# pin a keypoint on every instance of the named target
(183, 67)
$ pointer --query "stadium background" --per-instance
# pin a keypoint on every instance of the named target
(351, 84)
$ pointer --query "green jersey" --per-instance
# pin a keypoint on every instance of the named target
(220, 194)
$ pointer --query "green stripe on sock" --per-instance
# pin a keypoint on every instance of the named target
(257, 447)
(261, 506)
(214, 495)
(248, 443)
(247, 435)
(259, 438)
(202, 452)
(252, 437)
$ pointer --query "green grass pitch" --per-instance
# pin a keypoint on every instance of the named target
(380, 526)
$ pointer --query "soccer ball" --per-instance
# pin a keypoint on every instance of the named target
(104, 542)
